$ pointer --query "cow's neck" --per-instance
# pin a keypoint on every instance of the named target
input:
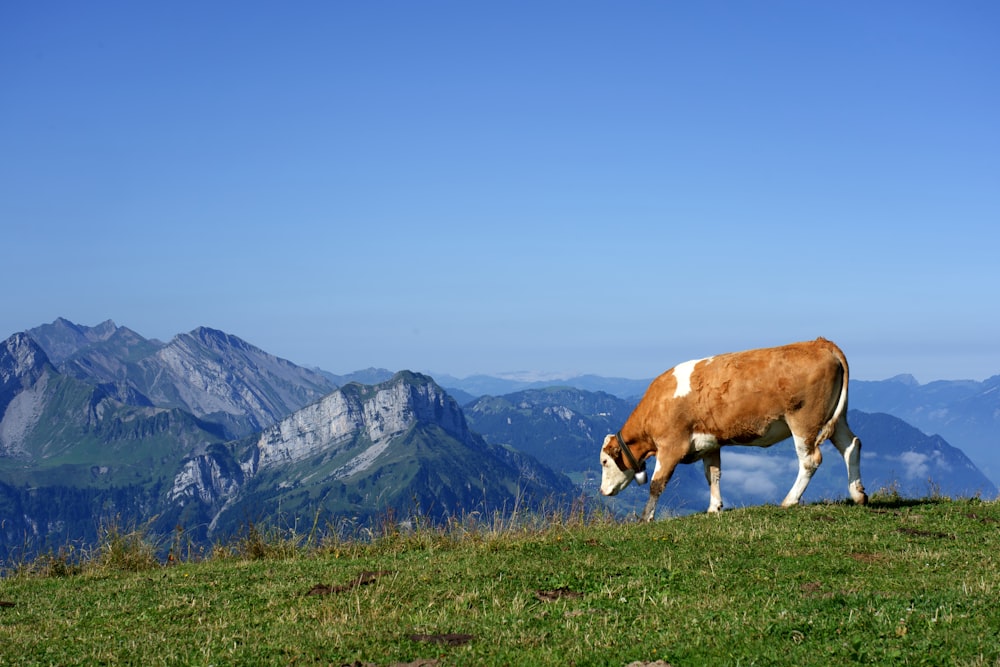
(640, 446)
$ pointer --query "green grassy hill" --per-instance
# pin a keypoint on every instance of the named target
(898, 582)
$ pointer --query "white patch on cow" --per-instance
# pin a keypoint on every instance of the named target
(613, 478)
(682, 373)
(704, 443)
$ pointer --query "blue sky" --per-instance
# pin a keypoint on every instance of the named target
(485, 187)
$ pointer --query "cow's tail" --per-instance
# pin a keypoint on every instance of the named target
(838, 412)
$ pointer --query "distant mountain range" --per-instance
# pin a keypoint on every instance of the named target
(965, 412)
(485, 385)
(207, 432)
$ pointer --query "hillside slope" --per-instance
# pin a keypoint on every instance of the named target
(894, 583)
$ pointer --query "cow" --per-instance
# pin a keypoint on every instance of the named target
(756, 398)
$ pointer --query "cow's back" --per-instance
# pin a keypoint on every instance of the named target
(740, 393)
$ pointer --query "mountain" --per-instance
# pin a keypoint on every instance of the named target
(71, 454)
(917, 464)
(74, 456)
(222, 378)
(213, 375)
(965, 412)
(560, 426)
(366, 376)
(564, 427)
(488, 385)
(399, 447)
(63, 339)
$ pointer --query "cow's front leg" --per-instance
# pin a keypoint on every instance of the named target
(661, 475)
(713, 473)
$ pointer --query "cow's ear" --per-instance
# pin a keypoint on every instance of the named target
(610, 440)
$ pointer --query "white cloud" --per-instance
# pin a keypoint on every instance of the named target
(752, 473)
(914, 465)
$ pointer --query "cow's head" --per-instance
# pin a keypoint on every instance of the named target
(616, 471)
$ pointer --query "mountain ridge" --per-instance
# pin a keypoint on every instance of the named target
(212, 374)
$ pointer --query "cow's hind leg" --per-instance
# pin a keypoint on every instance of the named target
(713, 473)
(849, 446)
(809, 459)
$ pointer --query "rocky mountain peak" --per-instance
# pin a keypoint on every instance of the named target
(377, 413)
(23, 366)
(411, 397)
(209, 372)
(62, 339)
(22, 361)
(214, 339)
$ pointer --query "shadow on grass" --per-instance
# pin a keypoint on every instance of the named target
(885, 503)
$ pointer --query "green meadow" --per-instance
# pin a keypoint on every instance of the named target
(899, 582)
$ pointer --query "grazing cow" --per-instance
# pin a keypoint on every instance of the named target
(757, 397)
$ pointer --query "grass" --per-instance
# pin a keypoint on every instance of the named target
(896, 583)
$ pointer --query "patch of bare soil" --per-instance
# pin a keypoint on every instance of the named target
(419, 662)
(914, 532)
(867, 558)
(451, 639)
(557, 594)
(362, 579)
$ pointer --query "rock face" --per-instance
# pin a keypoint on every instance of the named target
(211, 374)
(22, 362)
(207, 478)
(362, 450)
(23, 371)
(377, 413)
(324, 424)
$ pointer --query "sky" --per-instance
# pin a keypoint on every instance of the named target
(554, 187)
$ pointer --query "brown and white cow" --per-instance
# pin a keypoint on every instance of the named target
(757, 397)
